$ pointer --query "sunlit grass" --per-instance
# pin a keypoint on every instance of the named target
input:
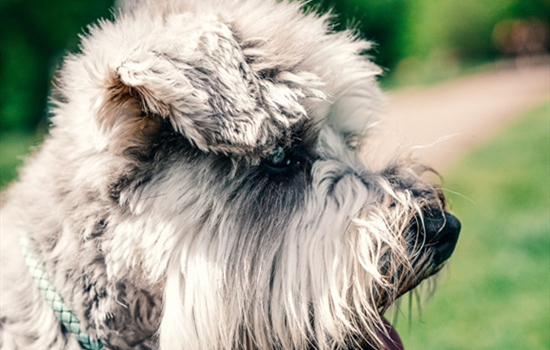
(496, 293)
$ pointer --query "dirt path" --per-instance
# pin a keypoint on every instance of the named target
(443, 121)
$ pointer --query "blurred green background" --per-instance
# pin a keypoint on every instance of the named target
(497, 292)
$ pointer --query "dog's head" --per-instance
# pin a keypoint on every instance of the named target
(224, 137)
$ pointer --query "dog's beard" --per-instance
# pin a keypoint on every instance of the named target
(264, 264)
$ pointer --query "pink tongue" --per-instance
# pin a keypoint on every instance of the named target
(391, 339)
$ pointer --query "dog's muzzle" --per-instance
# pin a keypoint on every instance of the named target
(433, 238)
(441, 230)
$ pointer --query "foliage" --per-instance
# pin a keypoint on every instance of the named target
(496, 295)
(34, 35)
(463, 27)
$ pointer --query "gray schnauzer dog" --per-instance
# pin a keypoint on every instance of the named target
(201, 189)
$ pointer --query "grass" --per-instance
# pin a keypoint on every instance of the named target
(496, 293)
(14, 147)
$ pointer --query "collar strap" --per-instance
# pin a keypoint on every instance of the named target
(54, 300)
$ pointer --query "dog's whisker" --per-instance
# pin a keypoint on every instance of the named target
(440, 140)
(458, 194)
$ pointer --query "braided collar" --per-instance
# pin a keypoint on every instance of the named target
(52, 297)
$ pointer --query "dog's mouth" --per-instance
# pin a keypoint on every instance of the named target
(390, 337)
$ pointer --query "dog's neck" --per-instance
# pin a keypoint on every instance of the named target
(54, 299)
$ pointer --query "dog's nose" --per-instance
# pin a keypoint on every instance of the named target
(441, 234)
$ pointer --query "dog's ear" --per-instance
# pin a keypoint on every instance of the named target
(202, 85)
(196, 75)
(149, 87)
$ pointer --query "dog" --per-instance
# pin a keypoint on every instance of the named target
(201, 188)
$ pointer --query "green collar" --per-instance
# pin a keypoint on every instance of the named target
(66, 316)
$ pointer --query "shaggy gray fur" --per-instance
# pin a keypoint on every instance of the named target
(200, 188)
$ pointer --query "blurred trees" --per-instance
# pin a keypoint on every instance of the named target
(428, 37)
(35, 34)
(466, 27)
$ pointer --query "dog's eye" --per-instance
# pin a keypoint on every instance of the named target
(278, 158)
(287, 161)
(283, 160)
